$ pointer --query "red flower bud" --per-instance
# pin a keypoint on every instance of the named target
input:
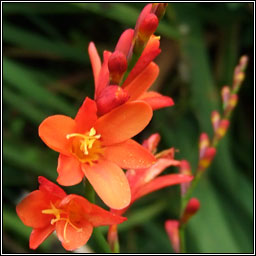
(225, 93)
(222, 129)
(117, 65)
(204, 143)
(172, 229)
(191, 209)
(112, 96)
(206, 159)
(148, 26)
(215, 118)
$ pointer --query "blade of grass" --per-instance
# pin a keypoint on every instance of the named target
(32, 41)
(26, 83)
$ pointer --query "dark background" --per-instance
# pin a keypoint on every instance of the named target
(46, 71)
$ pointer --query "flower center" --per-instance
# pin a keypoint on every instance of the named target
(57, 212)
(86, 147)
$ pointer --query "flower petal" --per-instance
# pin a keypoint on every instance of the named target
(53, 131)
(123, 122)
(101, 217)
(109, 182)
(129, 154)
(152, 142)
(156, 100)
(142, 82)
(73, 238)
(95, 61)
(149, 53)
(38, 235)
(69, 170)
(50, 188)
(161, 182)
(124, 43)
(103, 78)
(86, 116)
(30, 209)
(76, 202)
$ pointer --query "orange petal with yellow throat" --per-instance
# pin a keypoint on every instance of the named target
(69, 170)
(142, 82)
(73, 234)
(129, 155)
(95, 61)
(109, 182)
(123, 122)
(38, 235)
(30, 210)
(53, 131)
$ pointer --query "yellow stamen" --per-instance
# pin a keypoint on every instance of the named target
(87, 141)
(55, 211)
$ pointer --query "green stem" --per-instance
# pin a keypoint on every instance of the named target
(97, 234)
(89, 191)
(185, 198)
(101, 241)
(182, 239)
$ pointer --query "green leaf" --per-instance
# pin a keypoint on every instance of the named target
(26, 82)
(35, 42)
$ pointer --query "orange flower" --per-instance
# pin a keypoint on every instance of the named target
(97, 148)
(72, 216)
(147, 180)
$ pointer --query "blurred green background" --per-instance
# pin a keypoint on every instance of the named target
(46, 71)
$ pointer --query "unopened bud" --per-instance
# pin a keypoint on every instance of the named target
(117, 65)
(191, 209)
(225, 93)
(159, 9)
(206, 159)
(215, 118)
(243, 62)
(148, 26)
(232, 102)
(145, 30)
(204, 143)
(239, 75)
(222, 129)
(172, 229)
(186, 170)
(112, 96)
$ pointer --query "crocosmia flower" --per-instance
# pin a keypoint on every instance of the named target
(99, 147)
(147, 180)
(72, 216)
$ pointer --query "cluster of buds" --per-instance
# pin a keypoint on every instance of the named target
(127, 73)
